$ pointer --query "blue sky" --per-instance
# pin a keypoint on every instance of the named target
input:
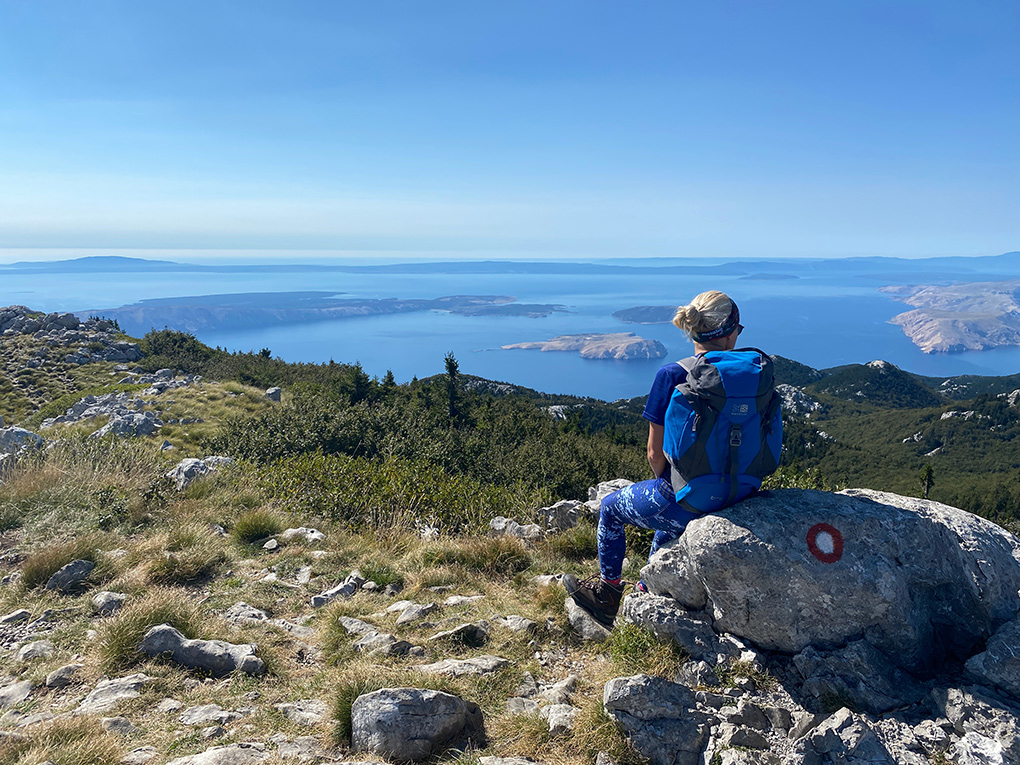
(527, 129)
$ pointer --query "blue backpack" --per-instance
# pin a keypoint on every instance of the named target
(723, 428)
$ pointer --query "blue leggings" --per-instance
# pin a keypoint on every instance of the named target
(648, 504)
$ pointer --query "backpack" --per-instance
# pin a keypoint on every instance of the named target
(723, 429)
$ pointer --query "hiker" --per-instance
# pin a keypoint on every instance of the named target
(714, 431)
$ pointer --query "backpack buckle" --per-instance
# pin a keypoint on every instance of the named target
(735, 436)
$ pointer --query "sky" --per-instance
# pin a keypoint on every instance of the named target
(552, 128)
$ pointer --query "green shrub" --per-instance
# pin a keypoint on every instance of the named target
(117, 646)
(578, 543)
(256, 525)
(45, 562)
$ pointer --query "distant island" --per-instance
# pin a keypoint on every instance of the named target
(960, 317)
(246, 310)
(622, 346)
(646, 314)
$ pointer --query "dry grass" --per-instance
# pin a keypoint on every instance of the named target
(45, 562)
(75, 741)
(256, 525)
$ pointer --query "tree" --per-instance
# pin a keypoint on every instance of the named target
(452, 381)
(927, 479)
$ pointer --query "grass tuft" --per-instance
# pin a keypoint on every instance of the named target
(45, 562)
(595, 731)
(73, 741)
(578, 543)
(119, 638)
(495, 556)
(255, 525)
(634, 649)
(190, 553)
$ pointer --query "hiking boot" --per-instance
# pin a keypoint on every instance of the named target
(596, 596)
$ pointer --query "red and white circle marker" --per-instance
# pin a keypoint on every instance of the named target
(825, 542)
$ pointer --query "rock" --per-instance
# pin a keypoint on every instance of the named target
(109, 693)
(14, 440)
(15, 693)
(271, 545)
(231, 754)
(169, 706)
(63, 676)
(598, 493)
(659, 717)
(973, 711)
(691, 630)
(206, 714)
(516, 623)
(859, 673)
(697, 673)
(563, 515)
(462, 600)
(844, 737)
(382, 644)
(303, 749)
(242, 613)
(356, 626)
(129, 425)
(37, 649)
(501, 526)
(584, 624)
(15, 617)
(119, 725)
(919, 580)
(345, 589)
(415, 613)
(107, 603)
(478, 665)
(412, 724)
(560, 693)
(466, 634)
(304, 712)
(730, 736)
(139, 756)
(303, 535)
(745, 714)
(999, 664)
(191, 469)
(216, 656)
(71, 577)
(274, 394)
(516, 705)
(506, 761)
(213, 731)
(795, 401)
(560, 717)
(975, 749)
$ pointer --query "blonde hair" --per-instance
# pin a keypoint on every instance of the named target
(707, 311)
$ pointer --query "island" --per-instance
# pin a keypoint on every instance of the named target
(621, 346)
(252, 309)
(954, 318)
(646, 314)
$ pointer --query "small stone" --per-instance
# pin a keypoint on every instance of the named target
(207, 713)
(302, 534)
(461, 600)
(213, 731)
(560, 717)
(167, 706)
(58, 678)
(139, 756)
(271, 545)
(119, 725)
(415, 612)
(479, 665)
(109, 693)
(517, 705)
(16, 617)
(304, 712)
(107, 603)
(38, 649)
(517, 624)
(15, 693)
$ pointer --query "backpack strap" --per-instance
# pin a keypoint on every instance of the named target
(736, 438)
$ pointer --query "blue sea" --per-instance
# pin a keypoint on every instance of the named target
(821, 318)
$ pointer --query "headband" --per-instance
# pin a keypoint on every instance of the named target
(727, 327)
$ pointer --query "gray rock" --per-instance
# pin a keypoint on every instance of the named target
(501, 526)
(659, 717)
(37, 649)
(975, 749)
(506, 761)
(411, 723)
(242, 613)
(189, 470)
(15, 617)
(516, 705)
(139, 756)
(745, 757)
(697, 673)
(563, 515)
(168, 706)
(560, 718)
(516, 623)
(129, 425)
(63, 676)
(745, 714)
(462, 600)
(302, 749)
(107, 603)
(206, 714)
(584, 624)
(844, 737)
(796, 568)
(356, 626)
(796, 401)
(691, 630)
(274, 394)
(302, 535)
(71, 577)
(561, 692)
(382, 644)
(14, 440)
(479, 665)
(271, 545)
(730, 735)
(598, 493)
(344, 590)
(415, 613)
(213, 731)
(216, 656)
(999, 664)
(860, 673)
(15, 693)
(304, 712)
(109, 693)
(467, 634)
(231, 754)
(119, 725)
(973, 711)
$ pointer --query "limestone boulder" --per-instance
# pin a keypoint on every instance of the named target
(920, 581)
(216, 656)
(413, 723)
(14, 440)
(189, 470)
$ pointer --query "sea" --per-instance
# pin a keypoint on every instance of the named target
(822, 317)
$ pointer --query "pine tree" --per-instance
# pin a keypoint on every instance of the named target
(452, 382)
(927, 479)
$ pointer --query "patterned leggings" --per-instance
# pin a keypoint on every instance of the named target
(648, 504)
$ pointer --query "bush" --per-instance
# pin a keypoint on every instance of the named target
(44, 563)
(256, 525)
(119, 638)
